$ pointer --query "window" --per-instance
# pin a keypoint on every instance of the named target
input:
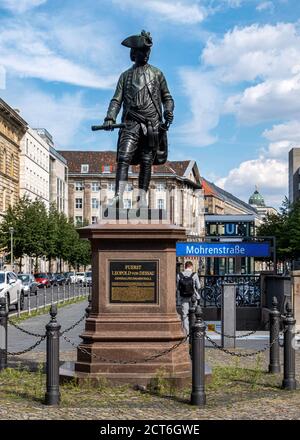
(84, 168)
(127, 203)
(94, 220)
(12, 162)
(129, 187)
(95, 186)
(78, 186)
(78, 203)
(106, 168)
(110, 186)
(160, 204)
(95, 203)
(160, 187)
(78, 220)
(4, 161)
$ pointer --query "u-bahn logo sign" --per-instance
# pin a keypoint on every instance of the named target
(198, 249)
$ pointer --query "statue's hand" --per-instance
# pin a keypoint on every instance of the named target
(168, 115)
(108, 124)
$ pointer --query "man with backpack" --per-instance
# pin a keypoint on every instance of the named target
(188, 284)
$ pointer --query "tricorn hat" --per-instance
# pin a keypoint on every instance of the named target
(141, 41)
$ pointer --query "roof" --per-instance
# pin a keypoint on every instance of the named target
(12, 114)
(212, 189)
(96, 159)
(257, 199)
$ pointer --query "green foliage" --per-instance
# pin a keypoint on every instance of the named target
(285, 226)
(38, 233)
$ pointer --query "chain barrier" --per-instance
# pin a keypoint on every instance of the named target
(241, 355)
(150, 358)
(27, 350)
(235, 337)
(73, 325)
(239, 336)
(27, 332)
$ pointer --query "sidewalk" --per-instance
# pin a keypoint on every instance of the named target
(66, 316)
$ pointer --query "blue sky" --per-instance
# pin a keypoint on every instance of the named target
(233, 67)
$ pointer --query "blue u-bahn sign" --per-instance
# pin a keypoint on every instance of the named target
(219, 250)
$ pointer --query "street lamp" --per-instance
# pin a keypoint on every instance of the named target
(11, 230)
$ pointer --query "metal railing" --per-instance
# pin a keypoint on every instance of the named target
(248, 290)
(45, 297)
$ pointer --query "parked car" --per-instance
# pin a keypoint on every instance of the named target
(42, 279)
(80, 277)
(88, 278)
(30, 286)
(68, 277)
(60, 279)
(51, 278)
(11, 289)
(71, 276)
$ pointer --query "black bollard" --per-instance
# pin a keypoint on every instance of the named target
(3, 333)
(289, 379)
(275, 316)
(52, 396)
(198, 396)
(192, 317)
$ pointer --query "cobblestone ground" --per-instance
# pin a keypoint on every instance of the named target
(240, 389)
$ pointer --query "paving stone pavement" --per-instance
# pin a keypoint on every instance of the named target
(234, 404)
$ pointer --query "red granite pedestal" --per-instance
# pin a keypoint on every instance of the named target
(138, 322)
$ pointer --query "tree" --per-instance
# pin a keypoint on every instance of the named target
(285, 226)
(39, 233)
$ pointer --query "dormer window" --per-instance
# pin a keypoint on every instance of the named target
(84, 168)
(106, 168)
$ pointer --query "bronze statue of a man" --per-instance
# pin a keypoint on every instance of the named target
(143, 91)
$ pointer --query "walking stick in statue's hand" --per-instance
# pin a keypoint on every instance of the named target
(104, 127)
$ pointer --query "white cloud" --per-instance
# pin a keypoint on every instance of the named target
(46, 49)
(204, 100)
(265, 6)
(262, 60)
(61, 115)
(179, 12)
(254, 52)
(283, 138)
(269, 100)
(288, 131)
(20, 6)
(271, 176)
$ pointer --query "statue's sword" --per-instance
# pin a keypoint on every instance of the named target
(164, 126)
(104, 127)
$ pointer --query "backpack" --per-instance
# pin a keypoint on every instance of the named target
(186, 285)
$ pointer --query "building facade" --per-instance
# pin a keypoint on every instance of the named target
(175, 187)
(12, 129)
(34, 167)
(294, 174)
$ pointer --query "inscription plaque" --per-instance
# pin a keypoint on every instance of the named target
(133, 281)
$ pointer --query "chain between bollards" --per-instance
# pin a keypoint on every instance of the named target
(289, 373)
(3, 334)
(52, 396)
(198, 396)
(275, 318)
